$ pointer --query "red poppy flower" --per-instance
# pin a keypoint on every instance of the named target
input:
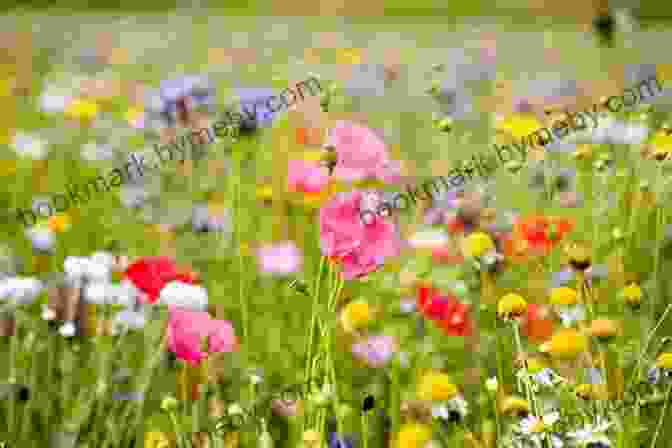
(447, 312)
(542, 233)
(425, 293)
(536, 326)
(457, 322)
(151, 274)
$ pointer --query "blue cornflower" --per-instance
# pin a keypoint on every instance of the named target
(336, 441)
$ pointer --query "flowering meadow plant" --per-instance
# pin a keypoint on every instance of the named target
(268, 297)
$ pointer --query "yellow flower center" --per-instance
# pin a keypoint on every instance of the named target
(664, 361)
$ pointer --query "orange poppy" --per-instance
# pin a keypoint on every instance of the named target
(541, 233)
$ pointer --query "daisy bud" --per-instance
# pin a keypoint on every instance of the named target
(67, 330)
(632, 294)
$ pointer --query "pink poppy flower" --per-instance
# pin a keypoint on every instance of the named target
(361, 154)
(375, 351)
(360, 248)
(280, 259)
(187, 329)
(306, 177)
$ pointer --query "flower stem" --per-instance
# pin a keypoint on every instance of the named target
(662, 416)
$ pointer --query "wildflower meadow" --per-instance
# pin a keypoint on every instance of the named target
(268, 289)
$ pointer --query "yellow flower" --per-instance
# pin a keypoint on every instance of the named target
(566, 344)
(591, 391)
(664, 361)
(436, 386)
(564, 296)
(511, 306)
(59, 223)
(157, 439)
(535, 365)
(477, 244)
(603, 328)
(664, 73)
(356, 315)
(519, 125)
(348, 56)
(514, 405)
(583, 152)
(132, 114)
(632, 294)
(413, 435)
(7, 167)
(580, 256)
(82, 110)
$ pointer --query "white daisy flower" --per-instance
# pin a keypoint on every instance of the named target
(184, 296)
(20, 290)
(54, 101)
(67, 330)
(26, 145)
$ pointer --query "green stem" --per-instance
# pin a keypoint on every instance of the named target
(662, 416)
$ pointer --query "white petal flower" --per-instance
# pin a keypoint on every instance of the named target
(29, 146)
(54, 102)
(67, 330)
(183, 295)
(20, 291)
(42, 239)
(75, 267)
(440, 411)
(97, 293)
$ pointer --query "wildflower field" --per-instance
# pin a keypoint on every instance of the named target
(251, 290)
